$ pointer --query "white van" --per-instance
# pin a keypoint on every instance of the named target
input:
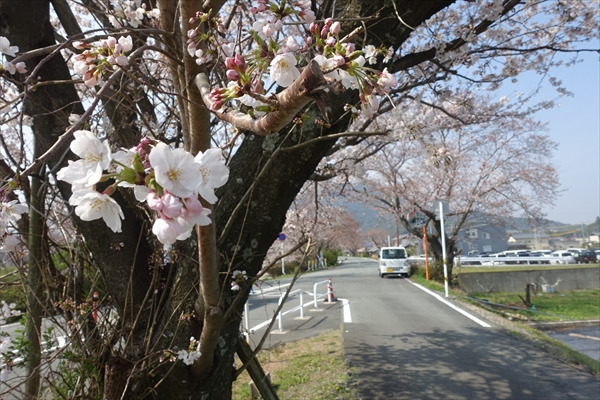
(393, 261)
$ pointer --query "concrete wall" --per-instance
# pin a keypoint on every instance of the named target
(515, 281)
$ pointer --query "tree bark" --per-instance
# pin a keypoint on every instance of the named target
(35, 303)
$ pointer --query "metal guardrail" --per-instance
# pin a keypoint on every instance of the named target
(281, 313)
(493, 261)
(316, 296)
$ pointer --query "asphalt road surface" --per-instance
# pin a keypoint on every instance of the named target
(408, 343)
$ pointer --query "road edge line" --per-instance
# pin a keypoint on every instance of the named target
(460, 310)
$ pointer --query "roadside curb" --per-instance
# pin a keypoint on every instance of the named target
(545, 326)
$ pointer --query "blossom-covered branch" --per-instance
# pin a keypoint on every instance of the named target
(306, 88)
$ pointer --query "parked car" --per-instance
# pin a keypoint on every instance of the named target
(587, 256)
(540, 253)
(562, 257)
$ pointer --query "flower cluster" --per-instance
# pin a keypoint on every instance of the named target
(282, 52)
(11, 51)
(238, 278)
(191, 354)
(101, 59)
(130, 13)
(10, 213)
(206, 40)
(7, 311)
(168, 180)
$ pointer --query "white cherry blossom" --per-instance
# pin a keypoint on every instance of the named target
(213, 171)
(283, 69)
(6, 48)
(95, 158)
(174, 170)
(92, 205)
(9, 243)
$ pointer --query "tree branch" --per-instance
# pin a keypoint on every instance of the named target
(306, 88)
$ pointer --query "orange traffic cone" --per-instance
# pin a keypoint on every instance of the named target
(330, 296)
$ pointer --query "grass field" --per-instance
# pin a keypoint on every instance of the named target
(309, 369)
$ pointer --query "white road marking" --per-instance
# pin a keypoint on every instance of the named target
(346, 310)
(463, 312)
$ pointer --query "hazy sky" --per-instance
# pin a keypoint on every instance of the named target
(575, 125)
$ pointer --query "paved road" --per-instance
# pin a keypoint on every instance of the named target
(407, 344)
(265, 299)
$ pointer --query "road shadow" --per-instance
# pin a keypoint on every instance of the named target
(482, 364)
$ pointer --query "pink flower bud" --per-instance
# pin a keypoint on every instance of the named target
(193, 205)
(154, 202)
(171, 205)
(111, 42)
(313, 28)
(240, 62)
(233, 75)
(350, 47)
(80, 45)
(217, 92)
(335, 28)
(328, 22)
(331, 41)
(216, 105)
(339, 60)
(230, 63)
(324, 31)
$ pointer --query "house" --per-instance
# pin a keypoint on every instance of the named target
(528, 241)
(481, 238)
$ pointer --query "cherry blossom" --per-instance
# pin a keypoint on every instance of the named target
(92, 205)
(11, 51)
(130, 12)
(101, 59)
(173, 169)
(10, 213)
(283, 69)
(340, 61)
(192, 214)
(6, 48)
(191, 354)
(238, 278)
(370, 105)
(168, 180)
(171, 205)
(213, 171)
(8, 243)
(166, 230)
(386, 80)
(95, 158)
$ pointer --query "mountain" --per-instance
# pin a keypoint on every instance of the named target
(369, 218)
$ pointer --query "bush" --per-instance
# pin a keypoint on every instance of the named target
(12, 291)
(331, 256)
(290, 266)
